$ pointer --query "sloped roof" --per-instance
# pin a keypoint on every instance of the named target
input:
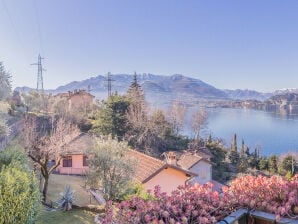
(81, 144)
(187, 160)
(147, 166)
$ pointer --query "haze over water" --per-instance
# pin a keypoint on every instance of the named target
(274, 134)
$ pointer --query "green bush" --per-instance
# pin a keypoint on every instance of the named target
(19, 195)
(137, 190)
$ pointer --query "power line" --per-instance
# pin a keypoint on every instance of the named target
(14, 28)
(38, 26)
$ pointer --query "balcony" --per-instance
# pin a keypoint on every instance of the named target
(244, 216)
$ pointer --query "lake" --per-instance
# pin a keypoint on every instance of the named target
(272, 133)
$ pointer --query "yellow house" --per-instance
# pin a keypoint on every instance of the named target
(151, 172)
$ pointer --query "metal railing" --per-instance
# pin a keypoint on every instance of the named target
(244, 216)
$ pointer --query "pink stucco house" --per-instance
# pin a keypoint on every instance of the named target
(151, 172)
(75, 160)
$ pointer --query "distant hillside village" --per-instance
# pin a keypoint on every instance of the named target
(120, 153)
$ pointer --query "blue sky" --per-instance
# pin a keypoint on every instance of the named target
(228, 44)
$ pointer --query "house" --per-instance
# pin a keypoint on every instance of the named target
(197, 162)
(193, 162)
(151, 172)
(75, 158)
(77, 100)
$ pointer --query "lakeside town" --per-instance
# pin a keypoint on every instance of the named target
(148, 112)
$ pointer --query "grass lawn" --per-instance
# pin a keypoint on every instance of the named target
(75, 216)
(57, 184)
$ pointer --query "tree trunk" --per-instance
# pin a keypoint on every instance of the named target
(45, 187)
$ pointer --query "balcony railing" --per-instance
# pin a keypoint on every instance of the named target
(244, 216)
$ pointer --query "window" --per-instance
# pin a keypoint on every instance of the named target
(85, 162)
(67, 161)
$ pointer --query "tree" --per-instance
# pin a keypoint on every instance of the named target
(111, 118)
(5, 82)
(199, 120)
(243, 158)
(288, 164)
(46, 139)
(36, 101)
(176, 115)
(263, 163)
(272, 164)
(233, 154)
(110, 168)
(137, 116)
(4, 129)
(219, 166)
(14, 153)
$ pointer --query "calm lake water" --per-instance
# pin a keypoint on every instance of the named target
(274, 134)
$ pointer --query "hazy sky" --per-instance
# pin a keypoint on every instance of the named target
(228, 44)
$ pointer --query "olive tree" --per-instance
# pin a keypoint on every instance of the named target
(110, 168)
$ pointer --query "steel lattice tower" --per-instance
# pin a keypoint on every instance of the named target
(39, 84)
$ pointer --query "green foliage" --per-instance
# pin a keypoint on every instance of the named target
(4, 108)
(272, 164)
(137, 190)
(264, 163)
(5, 83)
(110, 168)
(111, 118)
(67, 199)
(14, 153)
(219, 166)
(233, 154)
(19, 195)
(287, 164)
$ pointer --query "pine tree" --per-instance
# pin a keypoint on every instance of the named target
(272, 164)
(243, 163)
(233, 154)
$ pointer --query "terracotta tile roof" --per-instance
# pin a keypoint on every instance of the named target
(187, 160)
(147, 166)
(80, 144)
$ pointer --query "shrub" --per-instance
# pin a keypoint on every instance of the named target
(19, 195)
(199, 204)
(67, 199)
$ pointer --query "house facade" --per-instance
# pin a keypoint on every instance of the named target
(77, 100)
(193, 162)
(75, 159)
(151, 172)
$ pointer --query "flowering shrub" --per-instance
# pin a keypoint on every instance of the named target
(199, 204)
(275, 195)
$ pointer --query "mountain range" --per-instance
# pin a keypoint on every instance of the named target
(160, 90)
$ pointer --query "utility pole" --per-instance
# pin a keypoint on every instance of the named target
(109, 80)
(39, 85)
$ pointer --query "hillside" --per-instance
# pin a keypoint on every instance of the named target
(175, 87)
(161, 90)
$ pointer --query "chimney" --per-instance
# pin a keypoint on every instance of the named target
(171, 158)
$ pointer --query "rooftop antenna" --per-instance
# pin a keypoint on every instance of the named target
(39, 85)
